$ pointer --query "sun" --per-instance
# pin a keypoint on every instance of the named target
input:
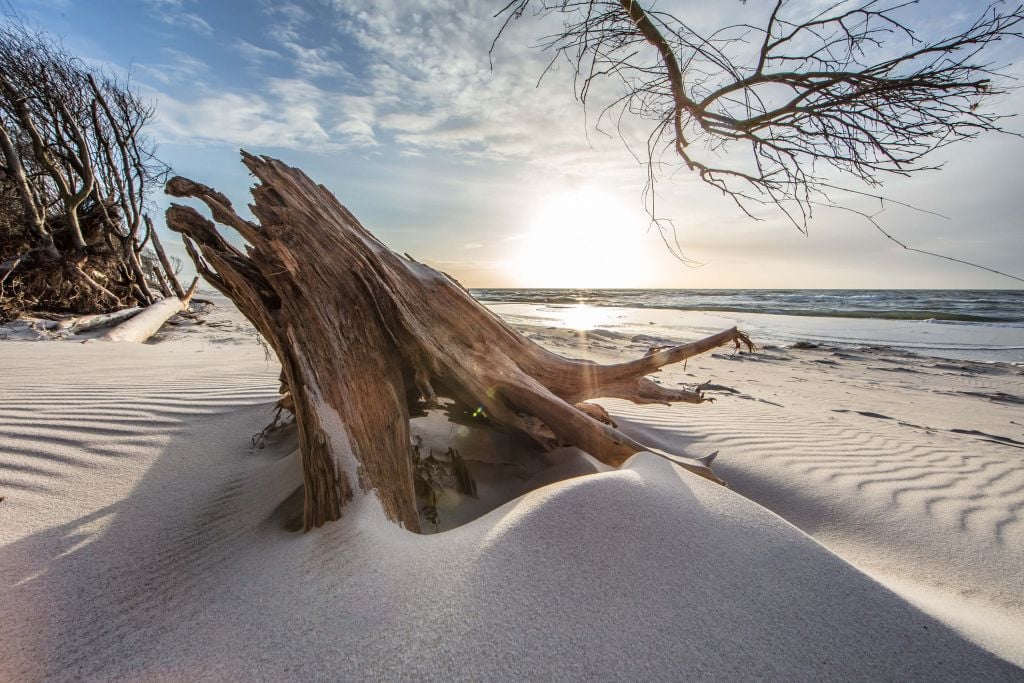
(583, 238)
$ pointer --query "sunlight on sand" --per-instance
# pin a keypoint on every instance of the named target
(582, 317)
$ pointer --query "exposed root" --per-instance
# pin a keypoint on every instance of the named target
(432, 474)
(366, 337)
(282, 418)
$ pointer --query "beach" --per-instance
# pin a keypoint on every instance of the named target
(872, 527)
(550, 341)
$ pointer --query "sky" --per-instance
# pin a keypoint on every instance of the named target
(485, 174)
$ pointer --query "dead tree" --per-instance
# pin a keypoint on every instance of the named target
(762, 107)
(74, 151)
(363, 334)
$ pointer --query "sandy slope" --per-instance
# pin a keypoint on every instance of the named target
(868, 464)
(141, 537)
(910, 468)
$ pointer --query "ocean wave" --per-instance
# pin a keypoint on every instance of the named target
(977, 323)
(987, 307)
(911, 315)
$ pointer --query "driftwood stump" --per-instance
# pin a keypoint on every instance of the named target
(363, 334)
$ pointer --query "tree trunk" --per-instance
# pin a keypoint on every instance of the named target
(162, 283)
(363, 333)
(144, 325)
(35, 215)
(158, 247)
(138, 276)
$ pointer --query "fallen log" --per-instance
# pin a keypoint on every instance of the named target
(86, 323)
(364, 335)
(144, 325)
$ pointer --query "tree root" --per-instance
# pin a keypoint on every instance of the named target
(365, 336)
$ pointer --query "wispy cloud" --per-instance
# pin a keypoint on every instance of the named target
(177, 67)
(254, 53)
(433, 90)
(192, 22)
(287, 113)
(316, 62)
(290, 27)
(411, 75)
(174, 13)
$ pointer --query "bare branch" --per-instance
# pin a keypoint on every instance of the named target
(760, 112)
(74, 148)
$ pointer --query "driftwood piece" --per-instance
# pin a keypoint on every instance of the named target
(144, 325)
(363, 334)
(86, 323)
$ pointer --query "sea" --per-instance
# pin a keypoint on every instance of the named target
(964, 324)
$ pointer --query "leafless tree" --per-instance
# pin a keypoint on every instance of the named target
(75, 153)
(763, 111)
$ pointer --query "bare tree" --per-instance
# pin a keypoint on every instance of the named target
(75, 153)
(762, 111)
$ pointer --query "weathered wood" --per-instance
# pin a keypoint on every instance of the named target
(86, 323)
(138, 275)
(158, 247)
(362, 332)
(162, 283)
(144, 325)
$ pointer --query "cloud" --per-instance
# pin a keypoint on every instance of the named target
(411, 75)
(442, 264)
(192, 22)
(173, 13)
(288, 16)
(428, 76)
(316, 62)
(239, 119)
(254, 53)
(179, 67)
(286, 113)
(359, 133)
(290, 28)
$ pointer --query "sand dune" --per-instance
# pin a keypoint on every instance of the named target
(872, 470)
(142, 536)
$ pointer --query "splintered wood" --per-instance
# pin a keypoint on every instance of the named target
(363, 334)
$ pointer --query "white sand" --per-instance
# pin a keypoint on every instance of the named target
(140, 537)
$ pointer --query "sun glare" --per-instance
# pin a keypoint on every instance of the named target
(583, 317)
(582, 238)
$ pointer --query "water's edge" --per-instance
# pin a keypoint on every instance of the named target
(965, 306)
(970, 341)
